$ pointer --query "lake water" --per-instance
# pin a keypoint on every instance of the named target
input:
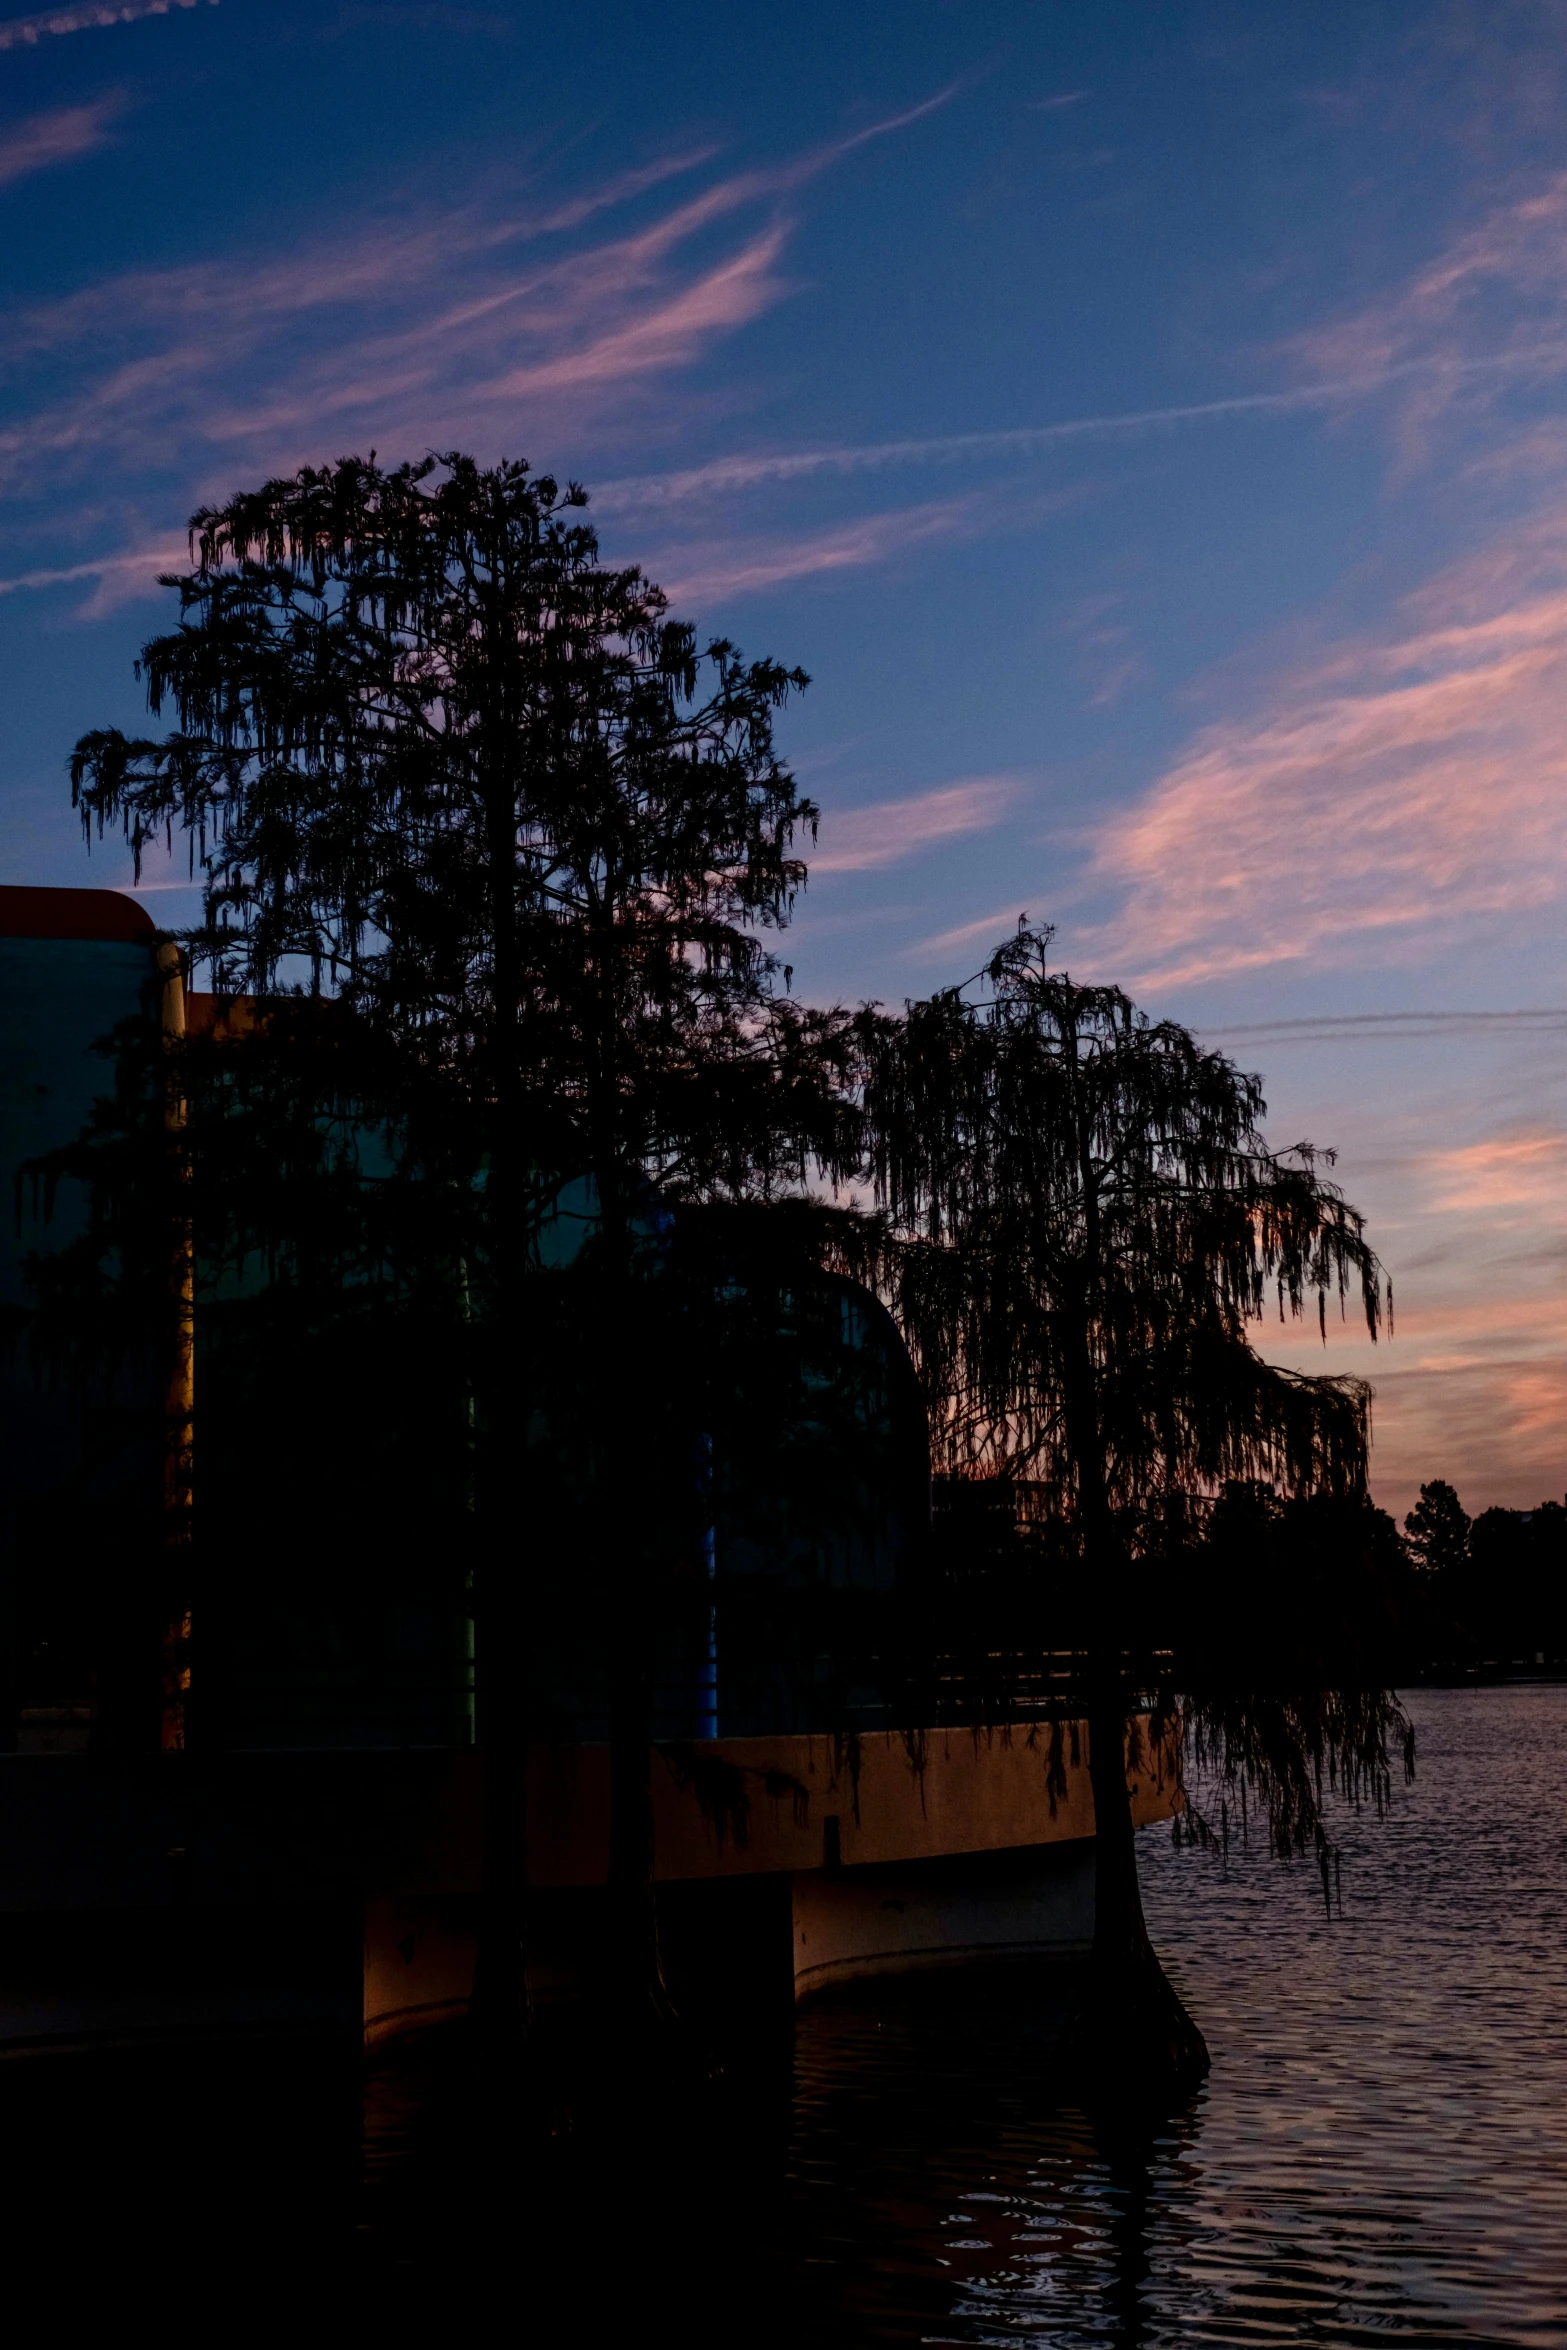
(1380, 2154)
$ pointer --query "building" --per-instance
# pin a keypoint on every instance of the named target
(312, 1846)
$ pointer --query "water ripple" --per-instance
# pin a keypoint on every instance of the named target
(1380, 2154)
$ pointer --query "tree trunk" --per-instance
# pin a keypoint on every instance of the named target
(179, 1392)
(499, 2011)
(628, 1393)
(1121, 1944)
(1132, 2037)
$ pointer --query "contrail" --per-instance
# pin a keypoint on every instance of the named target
(739, 473)
(25, 32)
(148, 559)
(1367, 1027)
(749, 471)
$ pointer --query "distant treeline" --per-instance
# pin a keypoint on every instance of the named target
(1258, 1590)
(1490, 1590)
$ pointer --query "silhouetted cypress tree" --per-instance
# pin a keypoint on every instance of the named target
(513, 840)
(1083, 1224)
(433, 759)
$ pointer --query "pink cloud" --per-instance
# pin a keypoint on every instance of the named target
(425, 256)
(1456, 1150)
(668, 336)
(988, 930)
(1405, 786)
(1438, 341)
(1512, 1171)
(863, 839)
(706, 572)
(412, 332)
(57, 137)
(734, 567)
(1471, 1387)
(421, 325)
(1487, 313)
(1493, 1430)
(427, 330)
(1519, 248)
(458, 325)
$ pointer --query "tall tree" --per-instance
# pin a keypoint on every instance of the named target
(435, 760)
(1087, 1222)
(1437, 1530)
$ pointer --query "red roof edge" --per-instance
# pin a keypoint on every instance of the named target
(72, 913)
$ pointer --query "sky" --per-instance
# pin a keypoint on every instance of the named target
(1143, 419)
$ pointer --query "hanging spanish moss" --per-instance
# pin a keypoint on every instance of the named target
(1082, 1225)
(526, 1288)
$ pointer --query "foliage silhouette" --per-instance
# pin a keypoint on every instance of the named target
(501, 850)
(1492, 1590)
(437, 763)
(1437, 1529)
(1082, 1224)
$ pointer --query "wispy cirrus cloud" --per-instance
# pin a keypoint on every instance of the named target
(1415, 783)
(709, 571)
(479, 322)
(25, 32)
(667, 335)
(1489, 1423)
(492, 324)
(59, 136)
(1475, 1387)
(431, 261)
(1377, 807)
(1456, 1150)
(1518, 249)
(690, 575)
(1518, 1173)
(861, 840)
(987, 930)
(1484, 318)
(703, 574)
(413, 326)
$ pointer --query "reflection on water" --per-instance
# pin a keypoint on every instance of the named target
(1382, 2148)
(1380, 2154)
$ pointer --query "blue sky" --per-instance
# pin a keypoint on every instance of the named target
(1144, 422)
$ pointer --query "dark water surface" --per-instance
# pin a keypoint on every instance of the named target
(1379, 2156)
(1381, 2150)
